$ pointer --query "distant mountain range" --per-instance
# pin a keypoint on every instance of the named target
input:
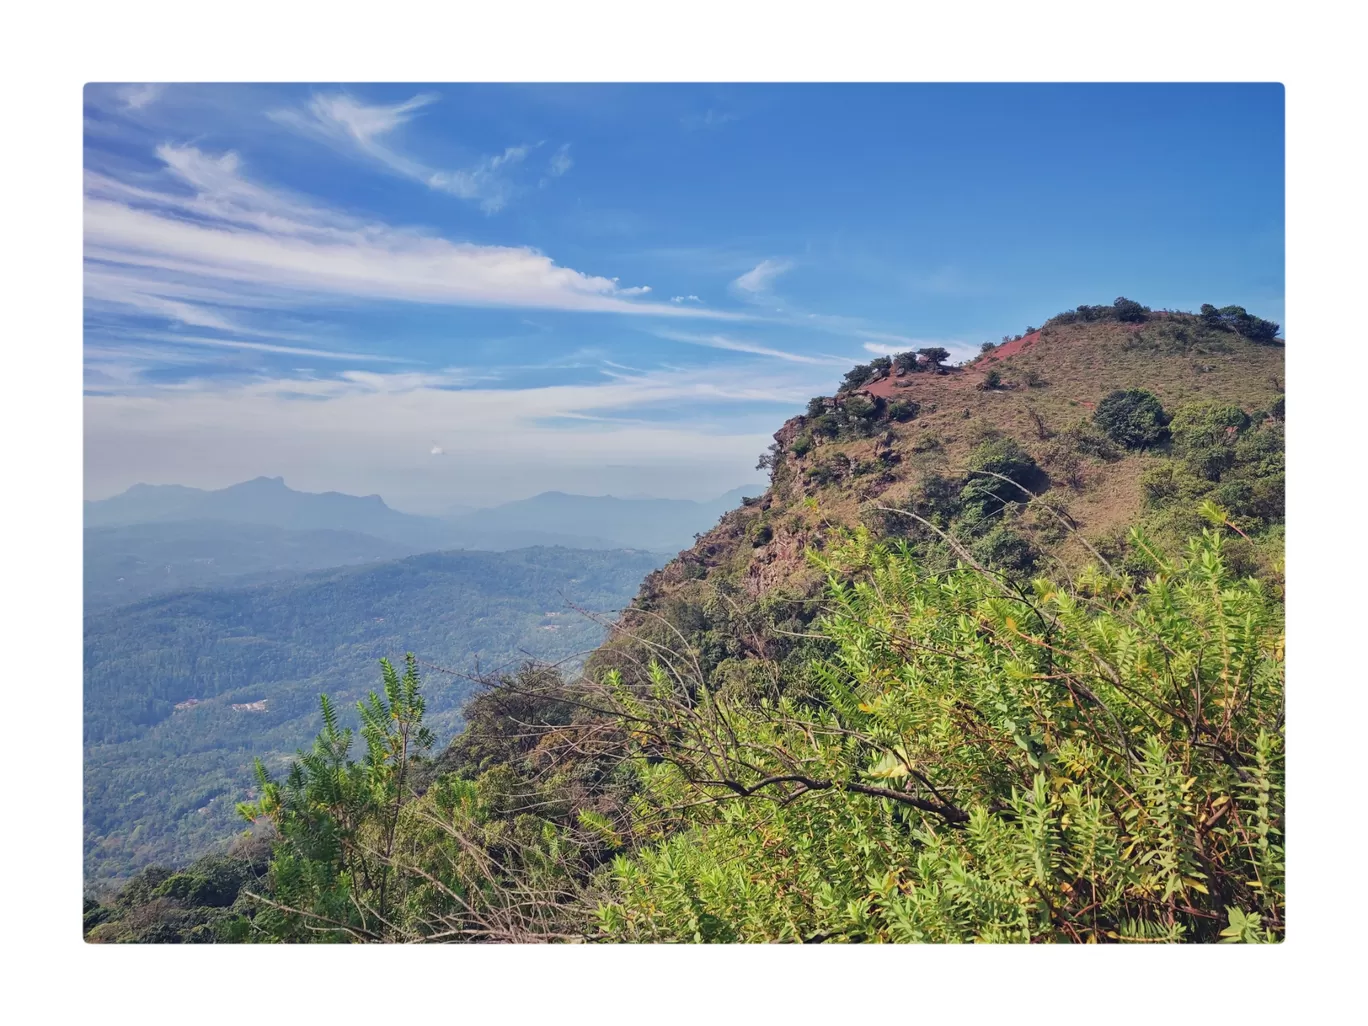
(658, 525)
(154, 539)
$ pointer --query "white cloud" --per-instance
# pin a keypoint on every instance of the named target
(685, 299)
(230, 235)
(136, 97)
(757, 281)
(955, 347)
(742, 346)
(561, 161)
(342, 120)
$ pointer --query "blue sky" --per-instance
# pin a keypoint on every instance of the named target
(467, 294)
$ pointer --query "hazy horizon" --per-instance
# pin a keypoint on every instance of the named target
(436, 510)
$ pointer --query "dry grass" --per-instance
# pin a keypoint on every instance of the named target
(1079, 364)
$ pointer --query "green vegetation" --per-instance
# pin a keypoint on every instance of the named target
(1004, 671)
(1133, 418)
(201, 904)
(1236, 319)
(1091, 760)
(1122, 310)
(1095, 761)
(161, 782)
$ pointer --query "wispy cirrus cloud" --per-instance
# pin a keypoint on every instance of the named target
(758, 281)
(561, 162)
(955, 346)
(349, 124)
(136, 97)
(205, 226)
(754, 348)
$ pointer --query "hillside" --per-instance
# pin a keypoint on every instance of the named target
(1051, 383)
(137, 561)
(167, 754)
(927, 687)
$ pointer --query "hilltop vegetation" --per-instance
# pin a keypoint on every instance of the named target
(998, 656)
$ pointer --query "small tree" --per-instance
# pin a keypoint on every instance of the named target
(935, 356)
(906, 362)
(856, 376)
(1132, 417)
(1129, 311)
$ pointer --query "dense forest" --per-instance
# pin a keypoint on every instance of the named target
(172, 721)
(997, 657)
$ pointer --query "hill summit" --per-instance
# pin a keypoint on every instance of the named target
(893, 449)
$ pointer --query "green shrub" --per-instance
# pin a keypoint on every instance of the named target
(980, 767)
(1238, 320)
(825, 426)
(860, 406)
(903, 409)
(1005, 457)
(802, 445)
(1133, 418)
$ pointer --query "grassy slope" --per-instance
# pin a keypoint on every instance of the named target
(1079, 363)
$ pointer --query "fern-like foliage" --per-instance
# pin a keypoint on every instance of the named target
(1089, 761)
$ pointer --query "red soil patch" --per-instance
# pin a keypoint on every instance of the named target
(1008, 349)
(885, 388)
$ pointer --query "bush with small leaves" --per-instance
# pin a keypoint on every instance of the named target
(1205, 434)
(989, 463)
(1133, 417)
(860, 406)
(1128, 311)
(903, 409)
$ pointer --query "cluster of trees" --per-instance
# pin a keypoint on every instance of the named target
(1127, 311)
(979, 512)
(928, 358)
(1226, 457)
(1225, 319)
(1238, 320)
